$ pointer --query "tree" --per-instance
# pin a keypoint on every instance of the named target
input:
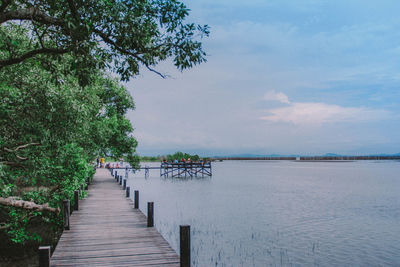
(117, 35)
(51, 129)
(59, 108)
(180, 155)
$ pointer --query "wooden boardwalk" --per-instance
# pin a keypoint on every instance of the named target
(108, 231)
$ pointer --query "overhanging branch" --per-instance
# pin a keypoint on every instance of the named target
(15, 60)
(28, 205)
(31, 13)
(109, 41)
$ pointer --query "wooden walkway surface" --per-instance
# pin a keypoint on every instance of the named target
(108, 231)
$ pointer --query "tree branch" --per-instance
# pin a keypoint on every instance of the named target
(27, 145)
(28, 205)
(109, 41)
(31, 13)
(30, 54)
(21, 147)
(21, 158)
(5, 226)
(153, 70)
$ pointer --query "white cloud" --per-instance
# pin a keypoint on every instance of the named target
(274, 96)
(319, 113)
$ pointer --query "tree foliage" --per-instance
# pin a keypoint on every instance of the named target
(114, 34)
(51, 129)
(180, 155)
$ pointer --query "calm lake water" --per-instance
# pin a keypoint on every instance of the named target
(282, 213)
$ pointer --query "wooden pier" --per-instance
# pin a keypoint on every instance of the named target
(192, 169)
(108, 231)
(180, 169)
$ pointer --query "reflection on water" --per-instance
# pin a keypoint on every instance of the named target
(281, 213)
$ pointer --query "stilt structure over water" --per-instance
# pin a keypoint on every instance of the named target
(181, 169)
(169, 169)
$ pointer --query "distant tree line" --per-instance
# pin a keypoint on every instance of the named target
(172, 157)
(180, 155)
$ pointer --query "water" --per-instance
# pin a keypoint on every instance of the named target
(282, 213)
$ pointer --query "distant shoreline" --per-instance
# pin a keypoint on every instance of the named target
(315, 158)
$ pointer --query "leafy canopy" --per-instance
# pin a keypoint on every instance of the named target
(113, 34)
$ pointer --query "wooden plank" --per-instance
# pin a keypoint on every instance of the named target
(108, 231)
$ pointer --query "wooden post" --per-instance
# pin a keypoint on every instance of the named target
(124, 185)
(76, 200)
(120, 180)
(128, 191)
(88, 180)
(136, 199)
(185, 245)
(150, 214)
(66, 212)
(116, 175)
(44, 256)
(86, 186)
(81, 187)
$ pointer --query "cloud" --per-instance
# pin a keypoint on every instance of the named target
(319, 113)
(274, 96)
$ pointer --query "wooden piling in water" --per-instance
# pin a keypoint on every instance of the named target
(150, 214)
(44, 256)
(128, 191)
(184, 235)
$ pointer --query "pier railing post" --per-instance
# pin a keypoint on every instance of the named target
(128, 191)
(76, 200)
(44, 256)
(124, 185)
(150, 214)
(136, 199)
(185, 245)
(66, 212)
(120, 180)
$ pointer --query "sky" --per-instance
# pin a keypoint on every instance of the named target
(282, 77)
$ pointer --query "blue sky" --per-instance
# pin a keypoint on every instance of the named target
(282, 77)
